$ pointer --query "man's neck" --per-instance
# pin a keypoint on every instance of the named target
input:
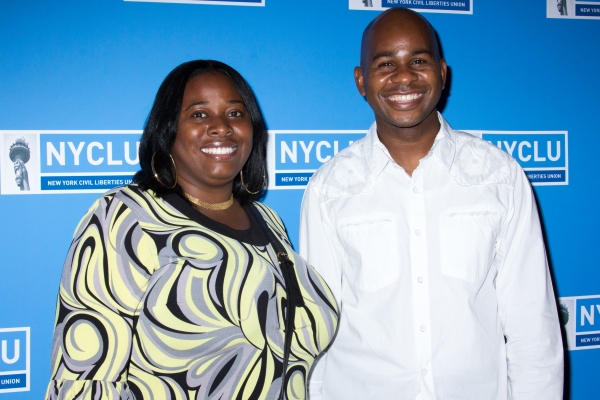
(408, 146)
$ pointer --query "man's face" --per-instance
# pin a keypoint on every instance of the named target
(400, 75)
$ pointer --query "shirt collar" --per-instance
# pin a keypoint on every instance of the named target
(378, 155)
(443, 148)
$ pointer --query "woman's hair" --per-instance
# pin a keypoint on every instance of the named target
(161, 129)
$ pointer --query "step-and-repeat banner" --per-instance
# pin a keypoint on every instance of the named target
(78, 80)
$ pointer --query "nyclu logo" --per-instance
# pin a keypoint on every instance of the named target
(544, 155)
(14, 360)
(294, 155)
(580, 317)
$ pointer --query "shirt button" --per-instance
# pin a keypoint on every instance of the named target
(422, 328)
(416, 189)
(420, 279)
(418, 232)
(423, 372)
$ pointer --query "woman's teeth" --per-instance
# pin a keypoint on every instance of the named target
(218, 150)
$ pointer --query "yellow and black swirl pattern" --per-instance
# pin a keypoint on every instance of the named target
(159, 302)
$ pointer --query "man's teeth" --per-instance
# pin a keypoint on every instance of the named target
(405, 97)
(218, 150)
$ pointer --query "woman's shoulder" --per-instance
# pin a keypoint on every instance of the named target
(129, 194)
(118, 199)
(272, 220)
(268, 213)
(132, 190)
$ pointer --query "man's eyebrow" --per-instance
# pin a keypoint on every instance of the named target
(382, 55)
(412, 54)
(421, 51)
(205, 102)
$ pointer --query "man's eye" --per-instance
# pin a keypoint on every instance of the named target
(419, 61)
(384, 64)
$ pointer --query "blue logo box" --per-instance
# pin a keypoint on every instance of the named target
(13, 381)
(85, 152)
(455, 5)
(588, 340)
(294, 156)
(308, 151)
(587, 10)
(549, 176)
(14, 360)
(292, 179)
(84, 182)
(588, 315)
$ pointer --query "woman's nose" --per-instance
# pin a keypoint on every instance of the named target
(220, 126)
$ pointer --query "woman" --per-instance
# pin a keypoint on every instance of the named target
(171, 288)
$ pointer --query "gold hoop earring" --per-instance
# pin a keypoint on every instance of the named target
(246, 189)
(156, 175)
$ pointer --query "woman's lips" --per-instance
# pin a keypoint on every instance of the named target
(221, 150)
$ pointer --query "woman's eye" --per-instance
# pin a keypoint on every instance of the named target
(236, 113)
(199, 114)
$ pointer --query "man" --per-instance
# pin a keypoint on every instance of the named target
(431, 242)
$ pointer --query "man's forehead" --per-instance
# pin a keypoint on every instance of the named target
(397, 28)
(400, 24)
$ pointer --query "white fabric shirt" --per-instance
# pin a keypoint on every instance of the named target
(442, 277)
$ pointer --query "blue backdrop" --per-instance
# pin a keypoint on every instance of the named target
(96, 65)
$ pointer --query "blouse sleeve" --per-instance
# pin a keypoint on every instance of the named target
(104, 279)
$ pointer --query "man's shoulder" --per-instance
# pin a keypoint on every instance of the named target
(477, 161)
(347, 173)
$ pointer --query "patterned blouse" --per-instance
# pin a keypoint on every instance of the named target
(157, 301)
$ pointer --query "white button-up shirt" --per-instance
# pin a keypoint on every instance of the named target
(442, 277)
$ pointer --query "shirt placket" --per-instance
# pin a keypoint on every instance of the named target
(420, 284)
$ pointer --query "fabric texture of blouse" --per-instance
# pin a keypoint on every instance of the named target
(158, 301)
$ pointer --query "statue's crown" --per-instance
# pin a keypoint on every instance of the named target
(19, 148)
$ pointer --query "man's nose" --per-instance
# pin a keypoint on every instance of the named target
(404, 75)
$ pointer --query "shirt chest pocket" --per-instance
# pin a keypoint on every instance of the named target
(467, 243)
(370, 247)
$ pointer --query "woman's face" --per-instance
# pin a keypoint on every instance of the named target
(214, 135)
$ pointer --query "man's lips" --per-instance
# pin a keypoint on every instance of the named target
(404, 98)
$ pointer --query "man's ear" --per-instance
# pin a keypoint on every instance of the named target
(358, 79)
(443, 70)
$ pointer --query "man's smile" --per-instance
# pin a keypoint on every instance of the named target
(404, 98)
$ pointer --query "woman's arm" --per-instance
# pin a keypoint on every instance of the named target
(104, 278)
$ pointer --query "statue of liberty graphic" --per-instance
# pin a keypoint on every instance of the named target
(19, 154)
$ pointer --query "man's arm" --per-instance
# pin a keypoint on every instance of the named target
(316, 248)
(526, 303)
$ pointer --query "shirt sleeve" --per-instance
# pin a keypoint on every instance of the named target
(526, 303)
(316, 246)
(104, 278)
